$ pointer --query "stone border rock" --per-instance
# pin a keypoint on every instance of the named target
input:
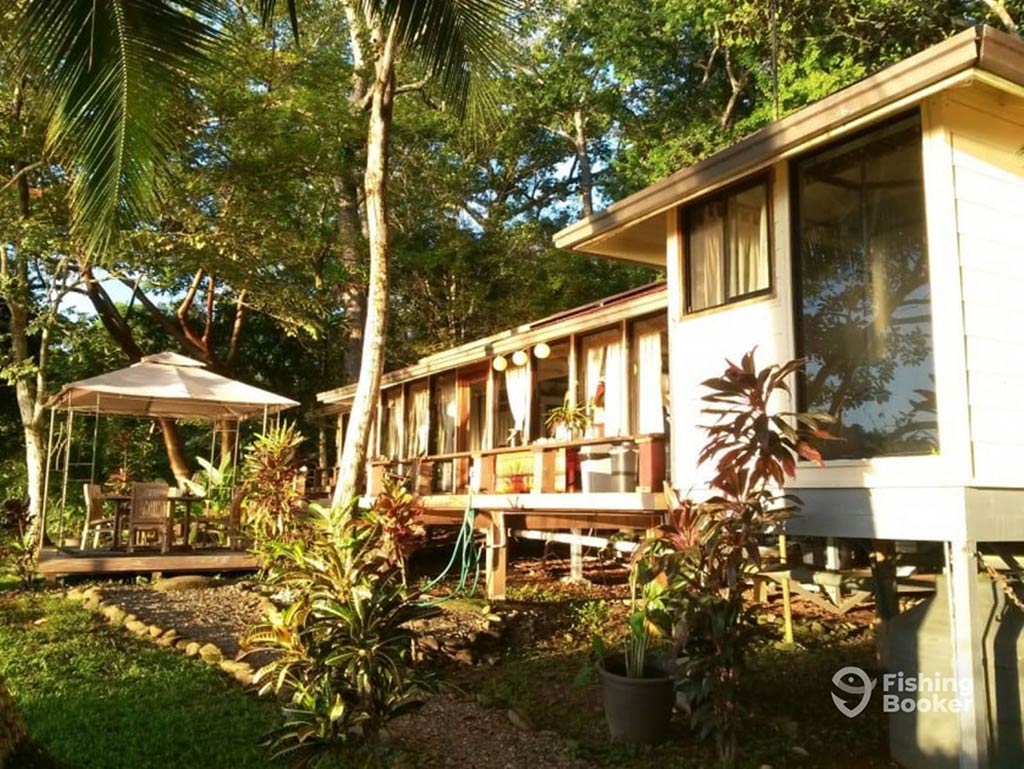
(92, 599)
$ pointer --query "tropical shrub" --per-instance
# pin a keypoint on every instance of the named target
(343, 653)
(17, 541)
(272, 503)
(215, 483)
(397, 510)
(702, 558)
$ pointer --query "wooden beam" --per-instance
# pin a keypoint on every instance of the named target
(53, 562)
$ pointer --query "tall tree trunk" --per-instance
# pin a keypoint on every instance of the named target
(583, 159)
(353, 293)
(378, 134)
(175, 451)
(30, 387)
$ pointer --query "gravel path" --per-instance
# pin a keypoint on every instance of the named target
(448, 731)
(451, 731)
(218, 614)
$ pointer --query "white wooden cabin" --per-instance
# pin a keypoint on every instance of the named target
(880, 234)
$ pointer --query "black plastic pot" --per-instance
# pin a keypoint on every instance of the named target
(637, 710)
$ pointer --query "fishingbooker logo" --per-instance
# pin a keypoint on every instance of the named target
(900, 692)
(856, 683)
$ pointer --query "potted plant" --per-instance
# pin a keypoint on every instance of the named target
(569, 421)
(638, 686)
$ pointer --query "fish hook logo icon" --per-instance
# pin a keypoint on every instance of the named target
(854, 681)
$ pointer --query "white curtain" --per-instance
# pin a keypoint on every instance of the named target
(614, 392)
(748, 245)
(605, 365)
(705, 256)
(517, 389)
(444, 415)
(419, 422)
(595, 370)
(650, 408)
(392, 437)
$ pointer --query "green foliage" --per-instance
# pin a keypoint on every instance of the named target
(112, 96)
(215, 483)
(272, 503)
(698, 563)
(17, 541)
(342, 649)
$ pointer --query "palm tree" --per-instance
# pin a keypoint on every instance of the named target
(114, 69)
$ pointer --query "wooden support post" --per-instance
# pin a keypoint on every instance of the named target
(883, 569)
(832, 563)
(787, 599)
(488, 471)
(543, 470)
(651, 462)
(968, 654)
(497, 555)
(576, 558)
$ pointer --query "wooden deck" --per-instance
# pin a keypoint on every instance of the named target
(58, 563)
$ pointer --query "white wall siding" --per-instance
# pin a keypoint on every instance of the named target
(700, 343)
(986, 130)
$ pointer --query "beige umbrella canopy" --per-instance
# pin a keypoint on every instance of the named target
(168, 385)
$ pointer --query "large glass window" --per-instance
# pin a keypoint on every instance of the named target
(864, 319)
(727, 247)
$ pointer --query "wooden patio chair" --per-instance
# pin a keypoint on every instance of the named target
(150, 513)
(95, 520)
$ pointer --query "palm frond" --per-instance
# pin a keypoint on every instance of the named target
(461, 43)
(114, 74)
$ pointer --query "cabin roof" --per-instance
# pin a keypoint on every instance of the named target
(633, 228)
(592, 316)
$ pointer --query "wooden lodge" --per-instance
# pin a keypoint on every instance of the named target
(468, 425)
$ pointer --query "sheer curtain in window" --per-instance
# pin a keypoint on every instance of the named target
(705, 255)
(418, 425)
(517, 388)
(614, 391)
(748, 243)
(650, 411)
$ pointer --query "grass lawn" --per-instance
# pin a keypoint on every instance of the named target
(95, 696)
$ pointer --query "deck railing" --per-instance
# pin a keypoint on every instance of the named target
(542, 467)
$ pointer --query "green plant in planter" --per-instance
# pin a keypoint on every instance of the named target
(708, 549)
(575, 418)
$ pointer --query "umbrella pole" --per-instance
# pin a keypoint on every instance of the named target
(234, 460)
(264, 420)
(46, 482)
(64, 485)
